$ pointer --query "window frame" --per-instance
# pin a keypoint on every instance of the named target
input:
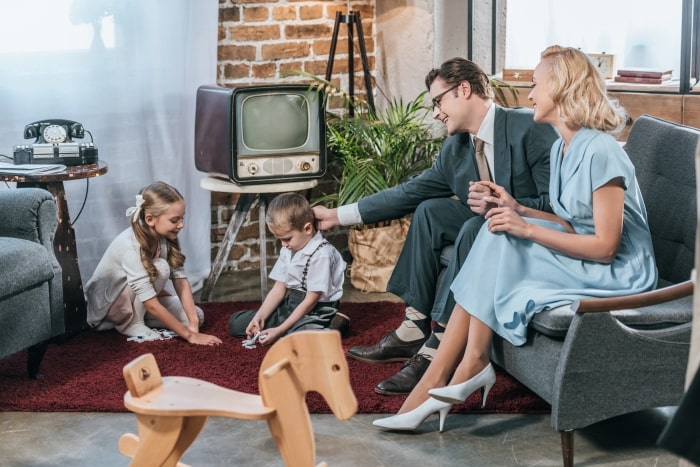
(690, 45)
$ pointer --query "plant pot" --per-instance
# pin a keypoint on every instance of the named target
(374, 251)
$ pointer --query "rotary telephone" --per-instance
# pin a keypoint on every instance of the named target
(53, 144)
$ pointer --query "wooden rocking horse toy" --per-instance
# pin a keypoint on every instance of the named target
(171, 411)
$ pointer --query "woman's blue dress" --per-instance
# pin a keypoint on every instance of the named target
(506, 280)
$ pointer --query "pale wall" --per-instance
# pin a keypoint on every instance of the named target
(413, 36)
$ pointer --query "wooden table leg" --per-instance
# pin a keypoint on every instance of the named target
(243, 205)
(74, 304)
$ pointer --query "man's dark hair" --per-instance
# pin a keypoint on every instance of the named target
(456, 70)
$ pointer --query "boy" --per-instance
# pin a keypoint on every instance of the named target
(308, 278)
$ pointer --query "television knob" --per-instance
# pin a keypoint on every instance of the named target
(304, 166)
(253, 169)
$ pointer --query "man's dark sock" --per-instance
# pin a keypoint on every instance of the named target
(430, 347)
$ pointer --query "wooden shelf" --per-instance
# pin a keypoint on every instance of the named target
(678, 108)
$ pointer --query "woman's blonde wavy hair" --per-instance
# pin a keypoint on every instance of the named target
(157, 197)
(579, 92)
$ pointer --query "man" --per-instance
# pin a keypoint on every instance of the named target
(448, 208)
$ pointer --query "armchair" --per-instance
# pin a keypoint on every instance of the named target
(31, 293)
(599, 358)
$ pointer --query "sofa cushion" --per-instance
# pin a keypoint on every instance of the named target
(556, 322)
(25, 264)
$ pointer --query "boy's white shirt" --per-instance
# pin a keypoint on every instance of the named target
(325, 274)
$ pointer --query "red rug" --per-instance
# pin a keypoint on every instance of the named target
(85, 373)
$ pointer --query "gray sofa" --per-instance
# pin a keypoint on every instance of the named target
(597, 359)
(31, 292)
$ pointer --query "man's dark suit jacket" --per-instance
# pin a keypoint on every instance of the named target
(521, 160)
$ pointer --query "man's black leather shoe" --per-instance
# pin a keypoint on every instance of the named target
(389, 349)
(406, 379)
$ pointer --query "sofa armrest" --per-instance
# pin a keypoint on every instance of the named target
(29, 214)
(654, 297)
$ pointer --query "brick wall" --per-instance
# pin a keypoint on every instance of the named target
(269, 42)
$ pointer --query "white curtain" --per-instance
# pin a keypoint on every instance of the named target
(128, 70)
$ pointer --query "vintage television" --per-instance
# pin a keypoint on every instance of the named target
(260, 134)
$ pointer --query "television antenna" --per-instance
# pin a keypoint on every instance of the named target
(352, 19)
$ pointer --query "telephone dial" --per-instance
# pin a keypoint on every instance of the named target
(53, 144)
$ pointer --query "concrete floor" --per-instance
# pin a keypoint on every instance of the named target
(90, 439)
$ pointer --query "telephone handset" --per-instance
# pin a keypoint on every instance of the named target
(54, 131)
(53, 144)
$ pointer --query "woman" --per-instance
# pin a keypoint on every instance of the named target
(596, 244)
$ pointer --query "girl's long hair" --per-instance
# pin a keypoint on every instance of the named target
(157, 197)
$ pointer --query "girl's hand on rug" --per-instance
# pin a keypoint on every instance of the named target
(203, 339)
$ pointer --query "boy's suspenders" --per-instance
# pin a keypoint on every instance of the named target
(306, 267)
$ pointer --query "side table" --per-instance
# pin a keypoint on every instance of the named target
(248, 194)
(75, 307)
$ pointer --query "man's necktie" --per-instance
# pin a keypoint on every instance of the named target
(481, 164)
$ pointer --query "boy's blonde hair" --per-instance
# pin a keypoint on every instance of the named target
(289, 210)
(579, 91)
(157, 197)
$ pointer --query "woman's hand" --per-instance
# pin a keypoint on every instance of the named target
(499, 197)
(509, 221)
(203, 339)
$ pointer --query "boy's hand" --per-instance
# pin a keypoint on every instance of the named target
(256, 325)
(269, 336)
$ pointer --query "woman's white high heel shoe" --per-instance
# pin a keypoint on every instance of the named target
(458, 393)
(409, 421)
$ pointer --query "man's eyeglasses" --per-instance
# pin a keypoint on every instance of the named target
(438, 98)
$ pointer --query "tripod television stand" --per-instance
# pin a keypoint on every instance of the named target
(352, 19)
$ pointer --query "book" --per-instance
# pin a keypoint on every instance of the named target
(645, 73)
(640, 80)
(30, 169)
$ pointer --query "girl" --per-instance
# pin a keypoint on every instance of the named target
(596, 244)
(126, 291)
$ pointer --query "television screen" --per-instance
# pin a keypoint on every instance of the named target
(287, 114)
(260, 134)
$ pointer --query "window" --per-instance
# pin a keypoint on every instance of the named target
(55, 25)
(640, 33)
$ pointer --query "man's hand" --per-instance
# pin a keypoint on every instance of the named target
(477, 201)
(326, 218)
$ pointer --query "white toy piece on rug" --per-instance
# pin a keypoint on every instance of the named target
(250, 343)
(153, 335)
